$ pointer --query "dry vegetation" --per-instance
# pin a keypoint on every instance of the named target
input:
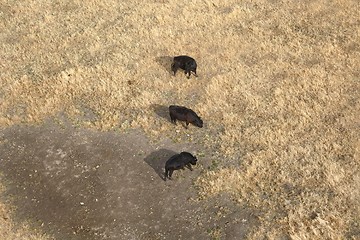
(278, 89)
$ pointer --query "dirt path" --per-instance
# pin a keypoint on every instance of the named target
(81, 184)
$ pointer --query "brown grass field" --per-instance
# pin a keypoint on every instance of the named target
(278, 89)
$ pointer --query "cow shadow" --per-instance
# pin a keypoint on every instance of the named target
(165, 62)
(157, 161)
(161, 111)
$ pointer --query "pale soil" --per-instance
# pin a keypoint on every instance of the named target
(278, 89)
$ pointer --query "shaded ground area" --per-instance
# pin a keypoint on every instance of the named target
(81, 184)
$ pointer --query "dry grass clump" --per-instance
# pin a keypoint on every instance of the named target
(102, 64)
(291, 119)
(298, 148)
(278, 90)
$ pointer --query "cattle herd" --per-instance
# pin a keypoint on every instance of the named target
(184, 159)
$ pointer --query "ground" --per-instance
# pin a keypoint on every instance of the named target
(85, 131)
(78, 184)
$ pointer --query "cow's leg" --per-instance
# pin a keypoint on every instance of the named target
(189, 166)
(166, 174)
(170, 173)
(173, 118)
(174, 68)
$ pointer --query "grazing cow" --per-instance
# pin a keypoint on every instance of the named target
(179, 161)
(186, 63)
(185, 114)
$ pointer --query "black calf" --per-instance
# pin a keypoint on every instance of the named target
(186, 63)
(179, 161)
(185, 114)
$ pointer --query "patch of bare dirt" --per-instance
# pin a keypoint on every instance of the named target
(81, 184)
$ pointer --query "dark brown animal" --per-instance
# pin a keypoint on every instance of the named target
(186, 63)
(185, 114)
(179, 161)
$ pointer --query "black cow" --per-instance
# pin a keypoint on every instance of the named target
(179, 161)
(185, 114)
(186, 63)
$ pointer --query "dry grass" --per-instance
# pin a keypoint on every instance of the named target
(279, 91)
